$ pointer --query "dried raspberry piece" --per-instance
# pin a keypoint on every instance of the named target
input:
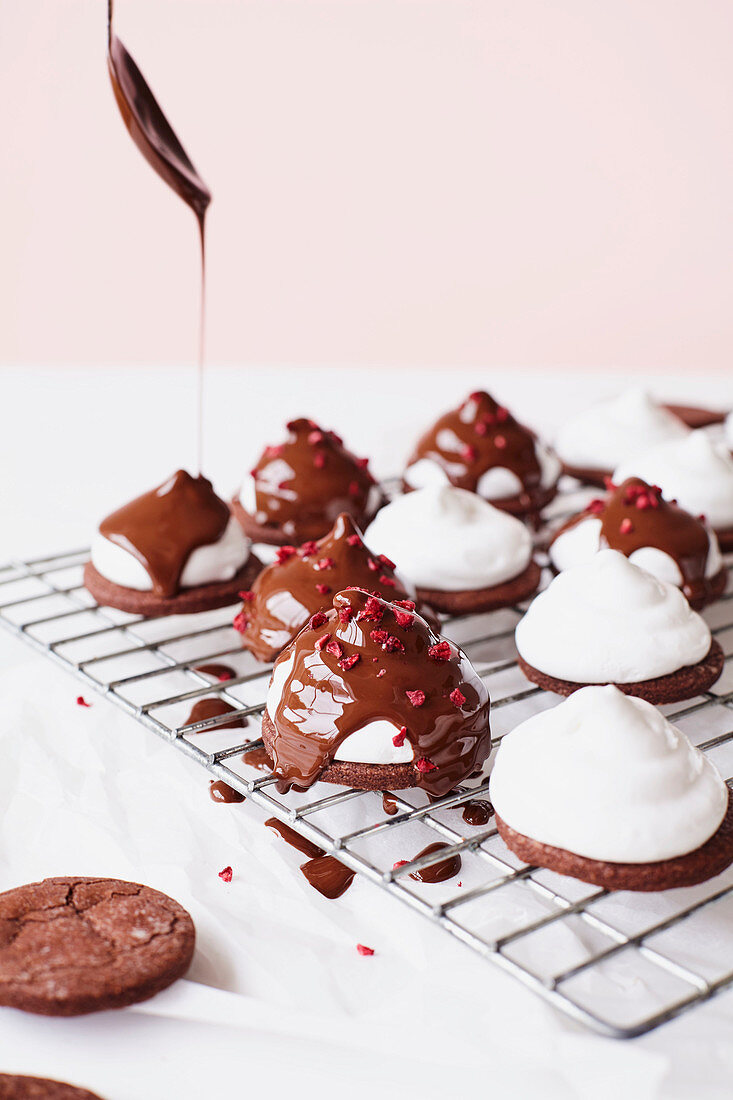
(399, 738)
(379, 636)
(702, 517)
(657, 489)
(393, 645)
(373, 564)
(81, 701)
(362, 463)
(349, 662)
(364, 950)
(325, 563)
(322, 642)
(387, 561)
(319, 460)
(334, 648)
(323, 589)
(308, 549)
(317, 620)
(643, 502)
(417, 698)
(608, 482)
(626, 526)
(315, 437)
(481, 427)
(246, 596)
(404, 619)
(240, 622)
(502, 414)
(354, 489)
(500, 442)
(285, 553)
(457, 697)
(372, 612)
(354, 540)
(469, 453)
(440, 652)
(254, 472)
(346, 614)
(283, 485)
(382, 672)
(409, 605)
(596, 506)
(400, 863)
(424, 765)
(226, 875)
(274, 451)
(388, 582)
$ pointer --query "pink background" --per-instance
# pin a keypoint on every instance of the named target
(485, 182)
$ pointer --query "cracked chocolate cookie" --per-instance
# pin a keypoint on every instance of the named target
(13, 1087)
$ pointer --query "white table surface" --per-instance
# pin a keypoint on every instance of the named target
(278, 999)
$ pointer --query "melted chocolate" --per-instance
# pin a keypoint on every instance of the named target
(437, 872)
(331, 691)
(634, 515)
(389, 805)
(478, 436)
(328, 876)
(211, 708)
(477, 812)
(219, 791)
(152, 133)
(288, 592)
(219, 672)
(302, 485)
(258, 758)
(295, 840)
(162, 528)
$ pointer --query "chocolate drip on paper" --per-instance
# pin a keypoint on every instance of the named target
(437, 872)
(328, 876)
(219, 791)
(204, 709)
(294, 839)
(302, 485)
(288, 592)
(335, 686)
(163, 527)
(217, 670)
(477, 812)
(475, 438)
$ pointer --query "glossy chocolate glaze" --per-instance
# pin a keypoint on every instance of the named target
(219, 791)
(478, 436)
(163, 527)
(635, 515)
(477, 812)
(258, 758)
(328, 876)
(303, 484)
(212, 708)
(294, 839)
(389, 805)
(437, 872)
(332, 690)
(289, 591)
(218, 671)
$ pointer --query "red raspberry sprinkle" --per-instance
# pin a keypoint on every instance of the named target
(393, 645)
(608, 482)
(334, 648)
(254, 472)
(387, 561)
(400, 863)
(354, 540)
(626, 526)
(424, 765)
(373, 564)
(274, 451)
(308, 549)
(246, 596)
(240, 622)
(323, 589)
(399, 738)
(440, 652)
(322, 642)
(502, 414)
(404, 619)
(657, 489)
(409, 605)
(702, 517)
(354, 489)
(596, 506)
(315, 437)
(481, 427)
(319, 460)
(468, 454)
(282, 485)
(226, 875)
(379, 636)
(284, 553)
(388, 582)
(362, 463)
(349, 662)
(643, 502)
(500, 442)
(382, 672)
(457, 697)
(417, 698)
(325, 563)
(346, 614)
(364, 950)
(81, 701)
(372, 612)
(317, 620)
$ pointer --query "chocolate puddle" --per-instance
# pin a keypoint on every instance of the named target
(328, 876)
(218, 671)
(437, 872)
(219, 791)
(389, 805)
(211, 708)
(258, 758)
(477, 812)
(294, 839)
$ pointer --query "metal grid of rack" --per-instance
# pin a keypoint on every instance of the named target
(619, 963)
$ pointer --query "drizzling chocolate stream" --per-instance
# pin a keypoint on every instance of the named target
(155, 138)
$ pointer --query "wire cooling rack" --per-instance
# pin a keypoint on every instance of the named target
(620, 963)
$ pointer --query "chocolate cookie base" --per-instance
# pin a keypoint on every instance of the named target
(273, 536)
(365, 777)
(667, 874)
(188, 601)
(685, 683)
(472, 601)
(725, 538)
(13, 1087)
(589, 475)
(69, 945)
(695, 417)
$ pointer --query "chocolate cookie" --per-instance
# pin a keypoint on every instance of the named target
(685, 683)
(71, 945)
(365, 777)
(725, 538)
(470, 602)
(258, 532)
(667, 874)
(13, 1087)
(694, 417)
(188, 601)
